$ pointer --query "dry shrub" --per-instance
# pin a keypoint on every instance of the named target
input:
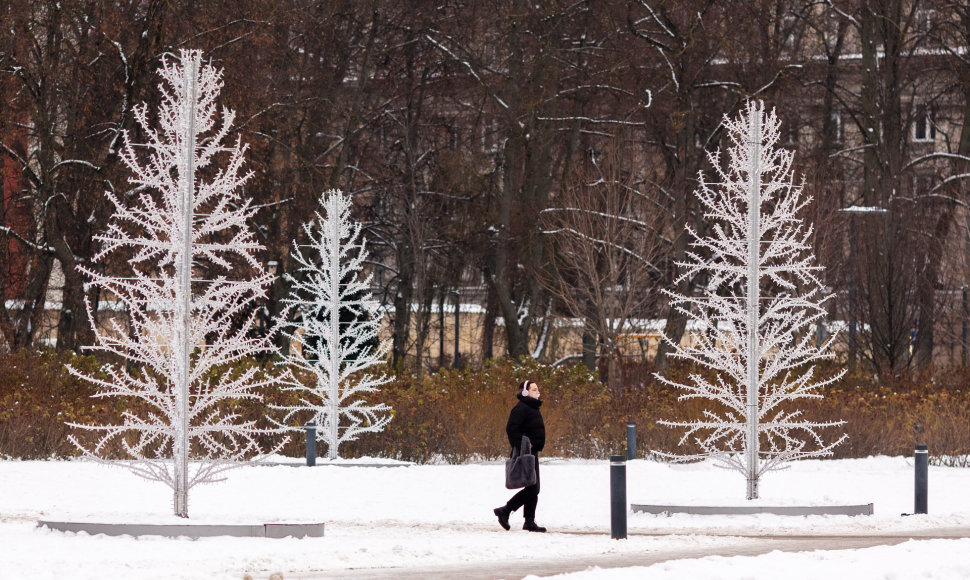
(881, 417)
(891, 417)
(37, 397)
(460, 415)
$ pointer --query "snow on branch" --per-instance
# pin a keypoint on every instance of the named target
(592, 120)
(191, 294)
(337, 332)
(8, 231)
(762, 303)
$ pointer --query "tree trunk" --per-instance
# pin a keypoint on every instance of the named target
(501, 279)
(72, 321)
(887, 251)
(589, 346)
(488, 324)
(926, 292)
(20, 324)
(676, 323)
(402, 310)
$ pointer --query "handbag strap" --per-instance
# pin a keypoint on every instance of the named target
(526, 446)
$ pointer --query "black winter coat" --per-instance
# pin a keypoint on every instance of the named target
(525, 419)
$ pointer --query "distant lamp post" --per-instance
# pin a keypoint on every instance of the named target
(456, 295)
(852, 211)
(441, 331)
(963, 325)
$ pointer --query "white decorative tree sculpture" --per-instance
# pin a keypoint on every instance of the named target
(761, 303)
(184, 235)
(339, 327)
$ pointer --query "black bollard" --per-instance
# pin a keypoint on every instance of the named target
(921, 458)
(631, 440)
(311, 444)
(617, 497)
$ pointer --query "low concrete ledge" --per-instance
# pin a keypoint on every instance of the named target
(325, 464)
(190, 530)
(812, 510)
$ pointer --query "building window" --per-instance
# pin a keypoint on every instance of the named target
(490, 136)
(454, 137)
(789, 23)
(833, 127)
(924, 129)
(923, 20)
(789, 132)
(922, 184)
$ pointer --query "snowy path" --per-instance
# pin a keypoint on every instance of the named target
(436, 521)
(750, 545)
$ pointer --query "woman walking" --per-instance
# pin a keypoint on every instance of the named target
(525, 419)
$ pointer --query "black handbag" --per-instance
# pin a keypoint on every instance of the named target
(520, 468)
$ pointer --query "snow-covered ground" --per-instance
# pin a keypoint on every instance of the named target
(427, 515)
(936, 559)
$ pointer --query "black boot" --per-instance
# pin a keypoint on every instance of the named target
(531, 526)
(503, 516)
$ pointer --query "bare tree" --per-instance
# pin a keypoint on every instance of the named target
(606, 241)
(72, 70)
(546, 83)
(893, 87)
(673, 37)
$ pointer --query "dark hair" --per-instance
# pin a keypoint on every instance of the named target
(523, 386)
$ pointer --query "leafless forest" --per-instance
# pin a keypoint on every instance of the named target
(539, 158)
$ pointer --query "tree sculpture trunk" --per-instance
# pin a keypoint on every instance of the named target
(753, 299)
(182, 350)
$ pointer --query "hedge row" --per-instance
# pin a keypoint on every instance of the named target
(459, 415)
